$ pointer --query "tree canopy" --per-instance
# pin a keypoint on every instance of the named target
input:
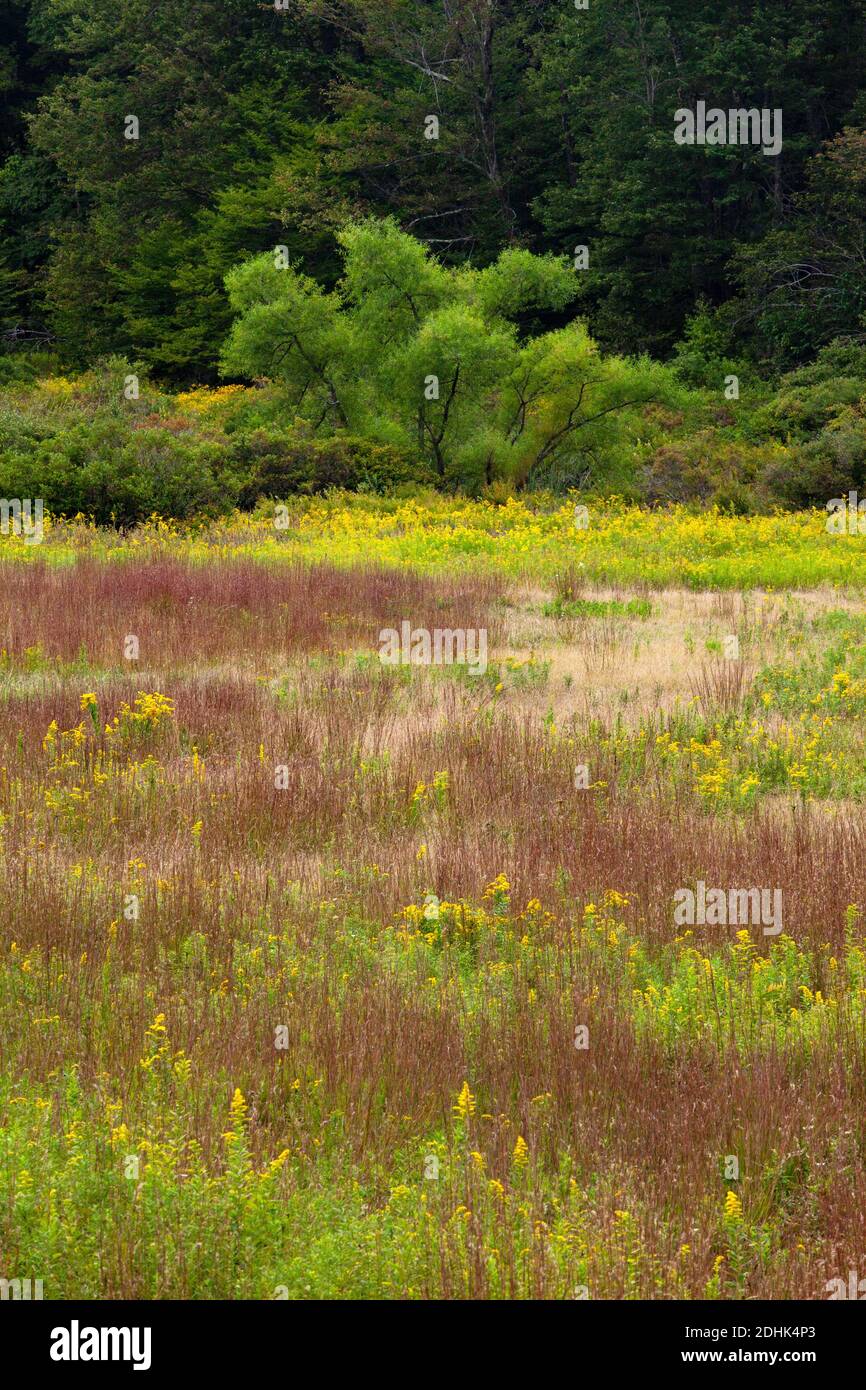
(478, 124)
(409, 352)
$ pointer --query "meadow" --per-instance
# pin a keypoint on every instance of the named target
(321, 978)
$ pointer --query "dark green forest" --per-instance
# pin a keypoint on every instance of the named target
(261, 125)
(151, 150)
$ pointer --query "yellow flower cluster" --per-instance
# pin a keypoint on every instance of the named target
(521, 537)
(149, 712)
(743, 757)
(200, 400)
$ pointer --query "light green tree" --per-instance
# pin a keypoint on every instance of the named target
(407, 351)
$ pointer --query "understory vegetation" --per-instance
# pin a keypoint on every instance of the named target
(409, 376)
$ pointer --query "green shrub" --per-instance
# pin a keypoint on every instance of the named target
(734, 499)
(278, 464)
(704, 357)
(673, 476)
(708, 467)
(829, 466)
(117, 475)
(15, 368)
(482, 459)
(20, 433)
(815, 396)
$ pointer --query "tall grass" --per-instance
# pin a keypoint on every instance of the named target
(321, 1040)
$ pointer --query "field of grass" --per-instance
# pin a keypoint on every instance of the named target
(518, 539)
(324, 978)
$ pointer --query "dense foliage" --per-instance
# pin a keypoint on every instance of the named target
(327, 976)
(410, 374)
(261, 126)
